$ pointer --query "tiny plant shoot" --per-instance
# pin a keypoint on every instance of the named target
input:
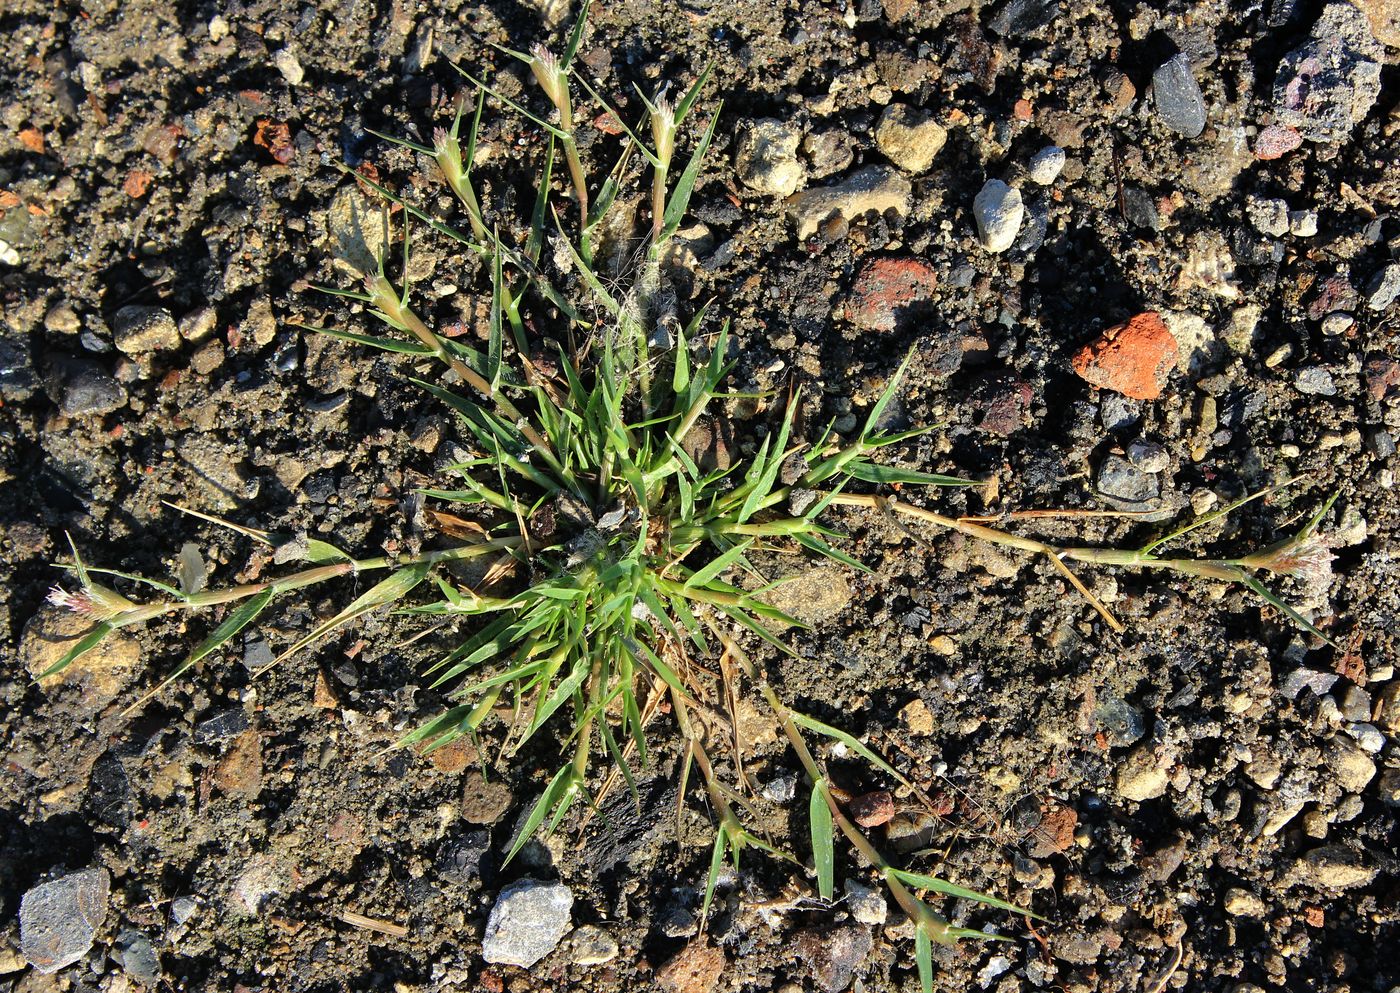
(619, 577)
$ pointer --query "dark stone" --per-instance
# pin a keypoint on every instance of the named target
(222, 726)
(1020, 18)
(1177, 97)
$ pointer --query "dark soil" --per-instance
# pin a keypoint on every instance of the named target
(1211, 780)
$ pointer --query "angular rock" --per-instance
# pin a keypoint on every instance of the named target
(1326, 87)
(866, 904)
(137, 330)
(1276, 141)
(695, 969)
(1177, 97)
(86, 389)
(591, 945)
(1143, 774)
(833, 955)
(1120, 479)
(1269, 216)
(877, 188)
(1333, 867)
(528, 921)
(58, 920)
(998, 211)
(1384, 287)
(909, 137)
(1134, 358)
(1315, 381)
(766, 157)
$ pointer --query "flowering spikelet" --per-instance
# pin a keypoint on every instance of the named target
(1307, 559)
(95, 601)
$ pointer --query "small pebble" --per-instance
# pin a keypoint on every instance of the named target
(1384, 287)
(1302, 223)
(1269, 217)
(1177, 97)
(1339, 322)
(998, 210)
(137, 329)
(58, 920)
(1315, 381)
(527, 922)
(1046, 164)
(287, 64)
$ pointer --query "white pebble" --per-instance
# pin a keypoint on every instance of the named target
(288, 66)
(999, 212)
(1046, 164)
(218, 28)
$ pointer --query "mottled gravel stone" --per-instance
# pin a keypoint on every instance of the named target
(1177, 97)
(58, 919)
(909, 137)
(1384, 287)
(529, 920)
(877, 188)
(1327, 86)
(766, 157)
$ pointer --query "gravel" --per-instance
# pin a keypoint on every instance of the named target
(59, 919)
(529, 919)
(1327, 86)
(1177, 97)
(998, 211)
(766, 158)
(1045, 165)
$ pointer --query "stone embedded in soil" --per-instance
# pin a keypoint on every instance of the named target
(1333, 867)
(998, 211)
(766, 157)
(241, 767)
(695, 969)
(866, 904)
(1133, 358)
(528, 921)
(137, 330)
(813, 596)
(877, 188)
(909, 137)
(1314, 380)
(138, 956)
(1326, 87)
(591, 945)
(833, 955)
(1177, 97)
(484, 801)
(101, 673)
(1242, 903)
(1384, 17)
(1143, 775)
(262, 877)
(59, 919)
(1348, 763)
(1268, 215)
(1120, 479)
(1276, 141)
(888, 290)
(1045, 165)
(86, 389)
(1384, 287)
(872, 809)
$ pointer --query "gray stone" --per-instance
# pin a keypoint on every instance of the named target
(877, 188)
(1315, 381)
(138, 957)
(867, 905)
(998, 211)
(766, 157)
(1120, 479)
(286, 62)
(833, 955)
(1148, 456)
(1326, 87)
(58, 919)
(1302, 223)
(1306, 679)
(88, 389)
(137, 330)
(1384, 287)
(529, 920)
(1045, 165)
(1177, 97)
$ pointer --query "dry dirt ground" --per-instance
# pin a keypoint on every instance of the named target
(1207, 800)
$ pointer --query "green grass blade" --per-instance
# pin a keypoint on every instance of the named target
(711, 570)
(1269, 597)
(559, 786)
(836, 734)
(923, 957)
(946, 888)
(716, 863)
(823, 840)
(679, 200)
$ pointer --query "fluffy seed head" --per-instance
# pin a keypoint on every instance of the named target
(97, 602)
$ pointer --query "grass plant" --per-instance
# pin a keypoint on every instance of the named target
(618, 576)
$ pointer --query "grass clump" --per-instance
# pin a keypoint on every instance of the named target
(617, 575)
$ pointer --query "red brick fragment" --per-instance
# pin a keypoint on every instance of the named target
(886, 289)
(1133, 358)
(873, 809)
